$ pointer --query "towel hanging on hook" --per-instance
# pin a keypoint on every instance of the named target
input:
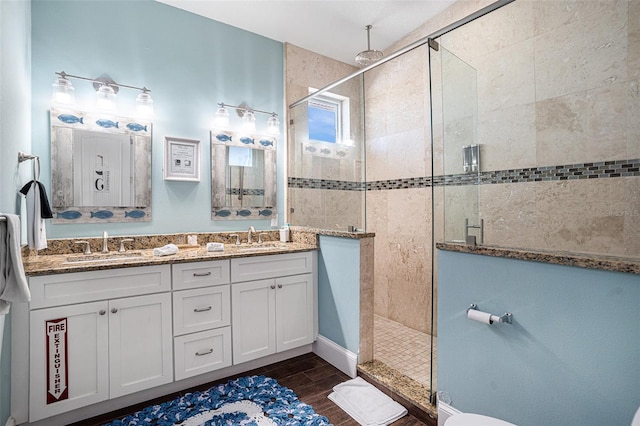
(38, 208)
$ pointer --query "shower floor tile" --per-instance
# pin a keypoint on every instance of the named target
(404, 349)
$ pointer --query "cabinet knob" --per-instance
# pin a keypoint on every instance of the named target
(208, 308)
(102, 312)
(279, 285)
(114, 310)
(273, 287)
(204, 353)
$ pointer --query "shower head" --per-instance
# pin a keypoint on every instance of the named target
(367, 57)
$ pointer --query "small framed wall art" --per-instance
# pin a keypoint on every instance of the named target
(181, 159)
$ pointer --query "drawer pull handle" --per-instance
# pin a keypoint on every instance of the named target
(273, 287)
(202, 309)
(114, 310)
(102, 312)
(204, 353)
(205, 274)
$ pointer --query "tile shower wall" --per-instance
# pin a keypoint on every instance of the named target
(558, 101)
(325, 179)
(398, 201)
(558, 107)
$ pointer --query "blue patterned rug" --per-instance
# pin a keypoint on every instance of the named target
(254, 400)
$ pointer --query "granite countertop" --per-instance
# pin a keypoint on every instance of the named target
(582, 260)
(63, 255)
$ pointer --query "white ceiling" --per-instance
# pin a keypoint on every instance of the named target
(332, 28)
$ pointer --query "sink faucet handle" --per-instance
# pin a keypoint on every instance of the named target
(126, 240)
(260, 237)
(237, 238)
(87, 247)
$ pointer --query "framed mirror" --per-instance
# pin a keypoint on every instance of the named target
(100, 168)
(243, 176)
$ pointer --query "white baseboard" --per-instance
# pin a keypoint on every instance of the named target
(444, 412)
(341, 358)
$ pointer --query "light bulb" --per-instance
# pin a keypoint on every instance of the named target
(144, 104)
(249, 121)
(221, 120)
(273, 125)
(63, 92)
(106, 98)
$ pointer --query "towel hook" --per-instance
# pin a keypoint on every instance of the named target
(36, 164)
(22, 157)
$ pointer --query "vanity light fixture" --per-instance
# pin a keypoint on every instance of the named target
(248, 115)
(106, 90)
(63, 91)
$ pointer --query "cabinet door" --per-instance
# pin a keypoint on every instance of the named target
(68, 358)
(294, 311)
(253, 319)
(140, 343)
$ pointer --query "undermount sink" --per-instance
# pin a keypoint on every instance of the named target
(103, 257)
(259, 247)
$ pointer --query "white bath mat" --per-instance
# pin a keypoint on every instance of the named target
(365, 403)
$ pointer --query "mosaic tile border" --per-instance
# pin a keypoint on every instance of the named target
(595, 170)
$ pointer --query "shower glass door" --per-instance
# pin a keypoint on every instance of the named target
(460, 148)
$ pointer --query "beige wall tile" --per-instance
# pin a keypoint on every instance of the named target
(633, 123)
(576, 215)
(508, 138)
(509, 213)
(584, 54)
(504, 27)
(506, 77)
(607, 108)
(633, 54)
(561, 130)
(631, 217)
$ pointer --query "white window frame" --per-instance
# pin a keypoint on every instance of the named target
(343, 114)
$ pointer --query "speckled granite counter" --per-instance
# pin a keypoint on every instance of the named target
(334, 233)
(61, 255)
(591, 261)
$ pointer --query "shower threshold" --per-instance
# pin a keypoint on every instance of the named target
(406, 391)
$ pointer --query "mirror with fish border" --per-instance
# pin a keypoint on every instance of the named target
(100, 167)
(243, 176)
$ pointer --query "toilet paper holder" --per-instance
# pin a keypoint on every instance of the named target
(506, 318)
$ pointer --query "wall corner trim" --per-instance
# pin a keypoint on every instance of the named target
(341, 358)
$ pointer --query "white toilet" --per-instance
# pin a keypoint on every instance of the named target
(469, 419)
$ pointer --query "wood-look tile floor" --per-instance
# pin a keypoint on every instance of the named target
(309, 376)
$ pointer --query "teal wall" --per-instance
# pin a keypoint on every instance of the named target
(15, 135)
(572, 356)
(339, 291)
(189, 62)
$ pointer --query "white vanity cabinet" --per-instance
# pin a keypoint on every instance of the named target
(201, 317)
(273, 307)
(91, 342)
(100, 347)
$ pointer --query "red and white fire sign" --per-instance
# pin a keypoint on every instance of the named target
(57, 367)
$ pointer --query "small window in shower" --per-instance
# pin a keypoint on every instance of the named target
(328, 118)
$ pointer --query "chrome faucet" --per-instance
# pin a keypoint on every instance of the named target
(250, 233)
(105, 242)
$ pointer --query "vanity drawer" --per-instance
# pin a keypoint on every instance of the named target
(78, 287)
(271, 266)
(201, 309)
(202, 352)
(200, 274)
